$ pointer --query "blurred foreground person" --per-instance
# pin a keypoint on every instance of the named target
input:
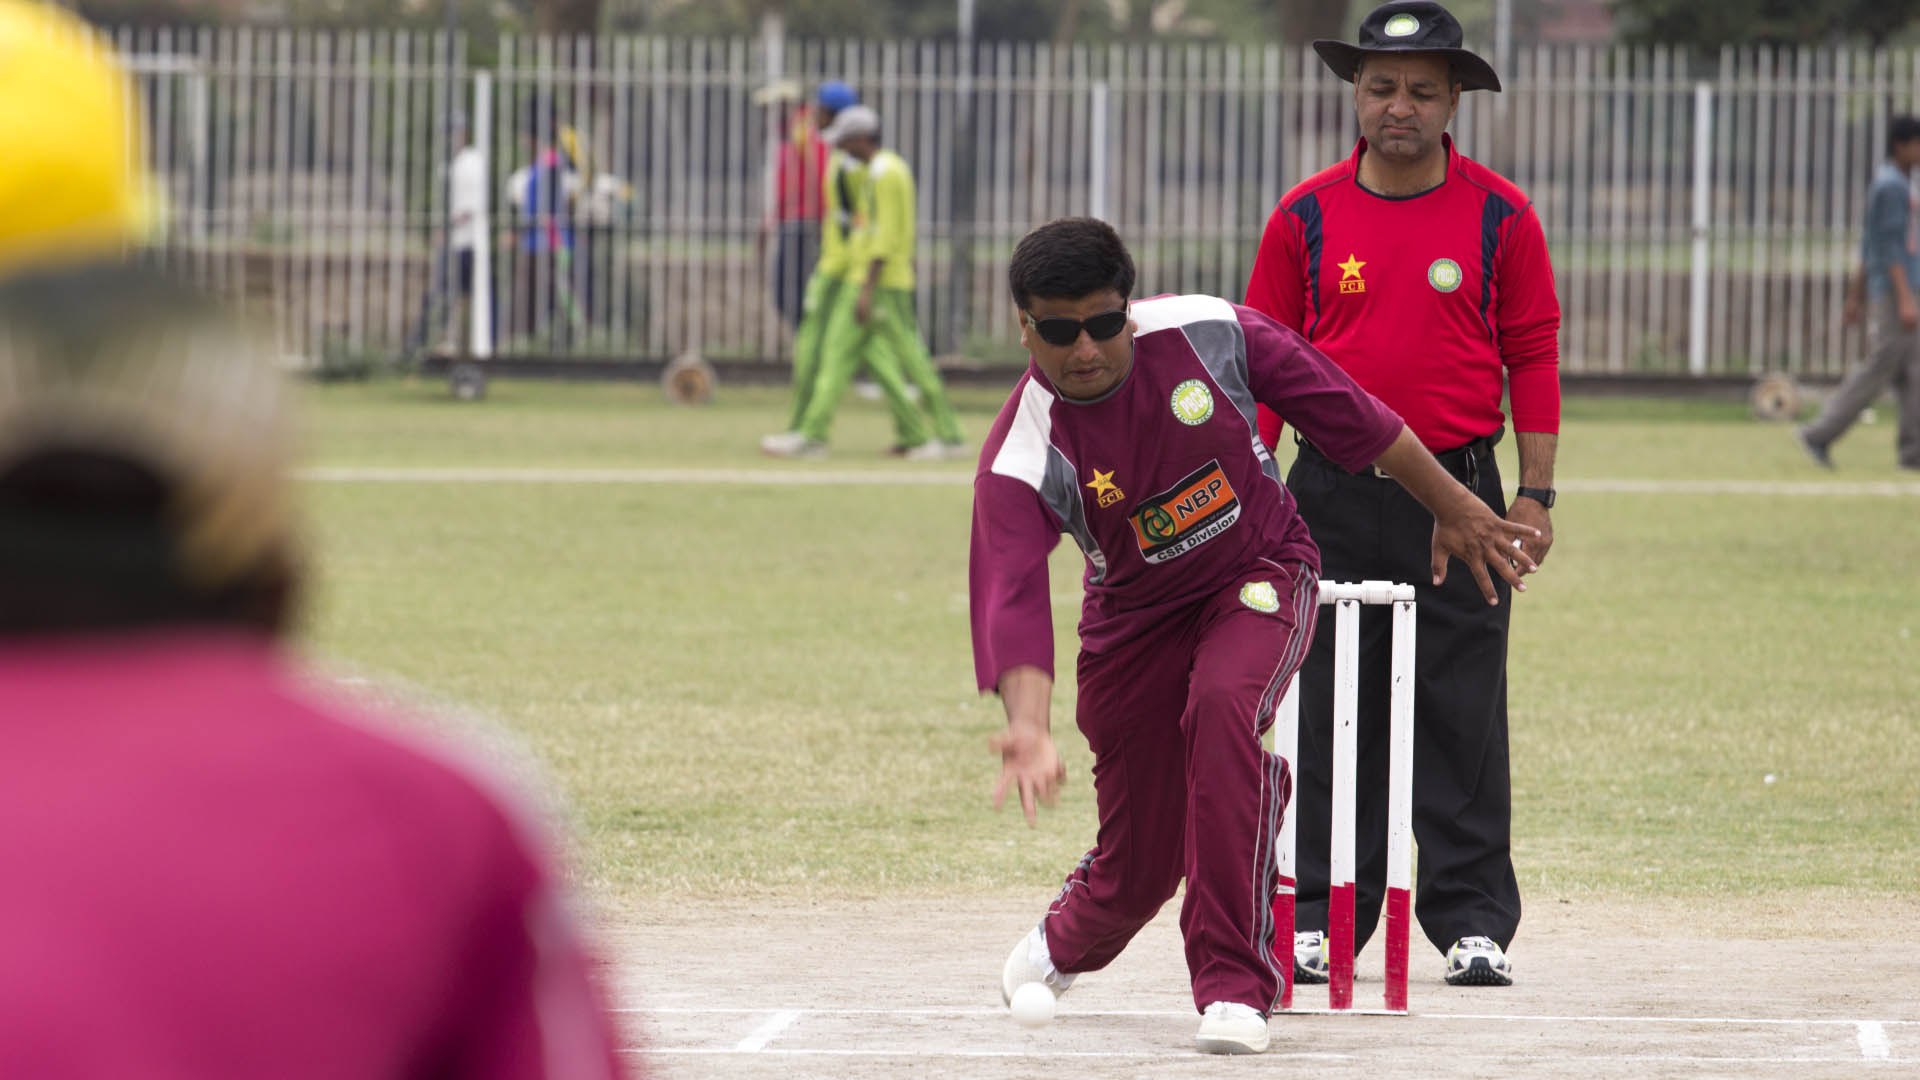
(211, 871)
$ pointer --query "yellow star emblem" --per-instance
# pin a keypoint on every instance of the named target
(1103, 486)
(1350, 270)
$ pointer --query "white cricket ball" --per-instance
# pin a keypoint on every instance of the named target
(1032, 1005)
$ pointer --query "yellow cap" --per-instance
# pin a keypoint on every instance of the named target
(70, 160)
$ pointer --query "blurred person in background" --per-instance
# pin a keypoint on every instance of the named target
(444, 309)
(841, 178)
(1425, 276)
(213, 870)
(601, 202)
(798, 192)
(872, 319)
(540, 195)
(1889, 276)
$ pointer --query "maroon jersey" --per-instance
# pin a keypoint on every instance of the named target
(1163, 482)
(1431, 302)
(210, 873)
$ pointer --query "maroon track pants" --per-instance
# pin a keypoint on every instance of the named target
(1185, 789)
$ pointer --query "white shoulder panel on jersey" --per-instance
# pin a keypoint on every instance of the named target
(1023, 455)
(1167, 312)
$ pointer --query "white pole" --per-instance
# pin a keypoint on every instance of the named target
(482, 136)
(1097, 202)
(1702, 210)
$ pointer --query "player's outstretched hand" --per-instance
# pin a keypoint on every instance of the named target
(1029, 765)
(1471, 532)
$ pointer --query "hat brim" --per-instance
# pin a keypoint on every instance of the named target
(1343, 59)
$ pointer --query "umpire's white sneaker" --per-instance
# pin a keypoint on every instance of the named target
(1228, 1027)
(1029, 962)
(1309, 958)
(1478, 961)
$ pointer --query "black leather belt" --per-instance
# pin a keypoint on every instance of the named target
(1461, 461)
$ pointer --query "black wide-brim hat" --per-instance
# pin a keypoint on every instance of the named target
(1410, 26)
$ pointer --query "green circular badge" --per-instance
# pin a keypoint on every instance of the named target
(1402, 26)
(1192, 402)
(1444, 275)
(1260, 596)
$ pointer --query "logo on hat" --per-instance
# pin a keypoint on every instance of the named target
(1444, 275)
(1401, 26)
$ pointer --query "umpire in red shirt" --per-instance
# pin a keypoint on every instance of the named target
(1425, 276)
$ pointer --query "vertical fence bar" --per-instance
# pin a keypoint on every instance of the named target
(1702, 209)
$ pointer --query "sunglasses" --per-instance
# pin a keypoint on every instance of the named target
(1067, 331)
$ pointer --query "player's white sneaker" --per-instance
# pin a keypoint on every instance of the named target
(792, 444)
(931, 450)
(1228, 1027)
(1029, 962)
(1478, 961)
(1309, 958)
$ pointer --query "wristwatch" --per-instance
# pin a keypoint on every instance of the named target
(1543, 496)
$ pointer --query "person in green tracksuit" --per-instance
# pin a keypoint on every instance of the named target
(842, 180)
(872, 319)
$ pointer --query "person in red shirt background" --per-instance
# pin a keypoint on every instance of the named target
(797, 198)
(1425, 276)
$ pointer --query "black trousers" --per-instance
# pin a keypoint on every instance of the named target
(1368, 527)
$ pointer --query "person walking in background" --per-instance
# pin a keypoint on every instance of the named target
(1890, 269)
(1425, 276)
(213, 869)
(843, 177)
(1133, 430)
(872, 320)
(798, 195)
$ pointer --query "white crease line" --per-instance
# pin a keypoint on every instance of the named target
(1188, 1055)
(433, 474)
(767, 1032)
(1872, 1036)
(910, 477)
(1793, 1021)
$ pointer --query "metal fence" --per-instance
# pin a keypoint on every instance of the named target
(1699, 220)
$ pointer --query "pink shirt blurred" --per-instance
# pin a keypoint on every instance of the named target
(208, 872)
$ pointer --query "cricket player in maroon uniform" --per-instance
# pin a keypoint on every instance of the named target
(1133, 431)
(1424, 275)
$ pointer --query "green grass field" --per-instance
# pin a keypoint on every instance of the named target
(767, 689)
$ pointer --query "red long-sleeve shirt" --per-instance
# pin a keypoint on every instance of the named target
(1426, 301)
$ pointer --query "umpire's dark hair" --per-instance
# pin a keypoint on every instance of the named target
(1902, 128)
(1070, 258)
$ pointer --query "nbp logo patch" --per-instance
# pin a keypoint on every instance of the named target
(1186, 515)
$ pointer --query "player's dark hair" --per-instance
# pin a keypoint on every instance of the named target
(91, 538)
(1068, 259)
(1902, 128)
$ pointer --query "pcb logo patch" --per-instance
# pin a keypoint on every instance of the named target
(1192, 403)
(1190, 513)
(1260, 596)
(1103, 486)
(1350, 279)
(1444, 275)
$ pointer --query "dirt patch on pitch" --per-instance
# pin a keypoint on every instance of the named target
(855, 990)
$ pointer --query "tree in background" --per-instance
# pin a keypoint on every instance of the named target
(1709, 24)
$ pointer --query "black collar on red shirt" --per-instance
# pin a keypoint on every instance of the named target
(1446, 145)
